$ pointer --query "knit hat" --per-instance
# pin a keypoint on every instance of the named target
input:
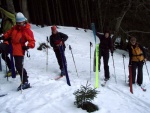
(53, 28)
(20, 17)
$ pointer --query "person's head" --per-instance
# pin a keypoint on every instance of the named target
(107, 34)
(54, 29)
(133, 40)
(20, 19)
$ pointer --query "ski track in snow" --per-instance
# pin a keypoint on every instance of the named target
(50, 96)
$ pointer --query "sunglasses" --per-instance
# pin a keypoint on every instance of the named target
(19, 23)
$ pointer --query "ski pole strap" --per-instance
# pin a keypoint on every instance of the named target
(28, 54)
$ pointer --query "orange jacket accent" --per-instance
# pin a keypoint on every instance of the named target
(19, 36)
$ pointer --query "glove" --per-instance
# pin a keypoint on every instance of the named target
(25, 47)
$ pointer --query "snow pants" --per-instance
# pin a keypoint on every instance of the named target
(19, 67)
(4, 49)
(105, 55)
(59, 59)
(139, 67)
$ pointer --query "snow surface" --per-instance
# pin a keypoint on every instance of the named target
(50, 96)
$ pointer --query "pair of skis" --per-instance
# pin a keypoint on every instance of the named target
(96, 58)
(130, 81)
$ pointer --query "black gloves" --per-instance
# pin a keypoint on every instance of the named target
(25, 47)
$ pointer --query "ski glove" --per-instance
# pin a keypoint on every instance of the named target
(25, 47)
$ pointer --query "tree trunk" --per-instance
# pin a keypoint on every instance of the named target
(10, 6)
(61, 14)
(119, 20)
(24, 9)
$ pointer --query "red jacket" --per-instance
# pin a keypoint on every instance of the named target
(19, 36)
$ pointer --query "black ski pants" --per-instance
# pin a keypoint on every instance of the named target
(105, 55)
(58, 56)
(4, 49)
(139, 67)
(19, 67)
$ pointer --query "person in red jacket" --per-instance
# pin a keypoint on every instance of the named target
(18, 36)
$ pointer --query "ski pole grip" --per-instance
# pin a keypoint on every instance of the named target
(123, 55)
(28, 54)
(70, 47)
(47, 39)
(91, 44)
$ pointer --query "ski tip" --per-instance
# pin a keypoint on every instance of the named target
(2, 95)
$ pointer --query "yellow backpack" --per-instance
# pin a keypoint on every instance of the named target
(137, 54)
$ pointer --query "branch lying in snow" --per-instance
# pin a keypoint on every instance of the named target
(134, 31)
(137, 31)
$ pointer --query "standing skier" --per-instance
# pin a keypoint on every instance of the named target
(8, 20)
(18, 36)
(104, 47)
(137, 58)
(58, 39)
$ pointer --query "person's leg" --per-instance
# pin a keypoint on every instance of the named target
(134, 66)
(20, 68)
(58, 56)
(5, 52)
(106, 67)
(7, 60)
(140, 73)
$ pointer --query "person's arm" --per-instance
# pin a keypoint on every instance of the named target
(99, 35)
(51, 41)
(143, 50)
(64, 37)
(7, 34)
(30, 38)
(9, 15)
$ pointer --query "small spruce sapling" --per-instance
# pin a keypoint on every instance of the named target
(84, 96)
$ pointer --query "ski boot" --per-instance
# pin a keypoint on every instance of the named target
(24, 86)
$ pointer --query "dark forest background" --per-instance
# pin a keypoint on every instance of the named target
(122, 17)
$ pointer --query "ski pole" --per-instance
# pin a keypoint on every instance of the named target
(147, 70)
(124, 65)
(73, 59)
(91, 45)
(114, 69)
(22, 74)
(0, 64)
(28, 55)
(47, 55)
(6, 68)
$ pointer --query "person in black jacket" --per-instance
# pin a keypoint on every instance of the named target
(137, 57)
(104, 47)
(57, 39)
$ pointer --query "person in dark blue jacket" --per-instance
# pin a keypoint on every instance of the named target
(104, 47)
(58, 39)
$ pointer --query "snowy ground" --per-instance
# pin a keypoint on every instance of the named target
(50, 96)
